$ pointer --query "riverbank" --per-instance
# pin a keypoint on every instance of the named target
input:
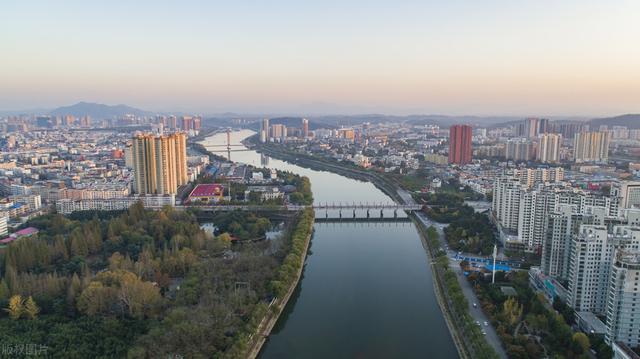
(388, 187)
(457, 328)
(257, 340)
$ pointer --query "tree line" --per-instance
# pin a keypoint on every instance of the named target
(137, 283)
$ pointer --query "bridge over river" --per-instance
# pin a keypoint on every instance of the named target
(353, 210)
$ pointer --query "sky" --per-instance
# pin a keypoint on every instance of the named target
(490, 57)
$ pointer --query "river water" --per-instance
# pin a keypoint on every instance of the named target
(366, 290)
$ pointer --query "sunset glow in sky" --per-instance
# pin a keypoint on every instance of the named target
(493, 57)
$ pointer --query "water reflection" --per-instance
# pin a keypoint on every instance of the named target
(367, 290)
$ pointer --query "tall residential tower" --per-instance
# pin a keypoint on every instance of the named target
(460, 144)
(159, 163)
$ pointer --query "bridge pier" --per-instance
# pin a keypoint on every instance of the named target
(381, 213)
(340, 213)
(395, 213)
(354, 213)
(368, 214)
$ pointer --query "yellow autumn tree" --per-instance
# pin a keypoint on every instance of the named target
(120, 292)
(16, 307)
(224, 237)
(512, 311)
(31, 309)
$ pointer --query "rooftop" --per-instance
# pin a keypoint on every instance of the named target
(207, 190)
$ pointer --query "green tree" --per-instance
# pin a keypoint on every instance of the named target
(582, 340)
(4, 290)
(75, 288)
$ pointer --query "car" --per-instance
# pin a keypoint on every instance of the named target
(478, 322)
(475, 305)
(486, 324)
(484, 333)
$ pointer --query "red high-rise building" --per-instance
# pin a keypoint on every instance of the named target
(460, 144)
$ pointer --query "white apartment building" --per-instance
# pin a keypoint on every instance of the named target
(589, 266)
(66, 206)
(625, 195)
(506, 202)
(561, 225)
(549, 148)
(592, 252)
(4, 221)
(623, 300)
(591, 146)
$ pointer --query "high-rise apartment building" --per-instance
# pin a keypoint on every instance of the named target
(623, 301)
(460, 144)
(625, 195)
(187, 123)
(589, 265)
(264, 130)
(591, 146)
(279, 132)
(549, 148)
(173, 122)
(543, 126)
(593, 250)
(506, 202)
(197, 123)
(159, 163)
(519, 150)
(561, 224)
(305, 128)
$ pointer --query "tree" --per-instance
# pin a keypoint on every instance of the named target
(31, 309)
(16, 307)
(75, 288)
(4, 290)
(225, 237)
(120, 292)
(512, 311)
(583, 341)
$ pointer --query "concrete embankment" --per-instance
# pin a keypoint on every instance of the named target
(392, 190)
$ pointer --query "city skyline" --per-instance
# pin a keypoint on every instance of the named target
(329, 58)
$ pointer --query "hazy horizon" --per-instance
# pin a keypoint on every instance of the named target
(462, 58)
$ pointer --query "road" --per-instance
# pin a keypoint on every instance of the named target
(476, 313)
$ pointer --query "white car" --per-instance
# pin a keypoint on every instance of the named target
(486, 324)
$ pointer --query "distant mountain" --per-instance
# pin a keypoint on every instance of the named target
(629, 120)
(98, 111)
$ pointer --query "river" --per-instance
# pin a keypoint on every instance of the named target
(366, 290)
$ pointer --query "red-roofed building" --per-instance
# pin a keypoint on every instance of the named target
(26, 232)
(206, 193)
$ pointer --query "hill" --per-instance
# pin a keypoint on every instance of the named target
(629, 120)
(98, 110)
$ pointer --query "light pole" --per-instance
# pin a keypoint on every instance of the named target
(495, 253)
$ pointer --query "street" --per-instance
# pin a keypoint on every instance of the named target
(476, 313)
